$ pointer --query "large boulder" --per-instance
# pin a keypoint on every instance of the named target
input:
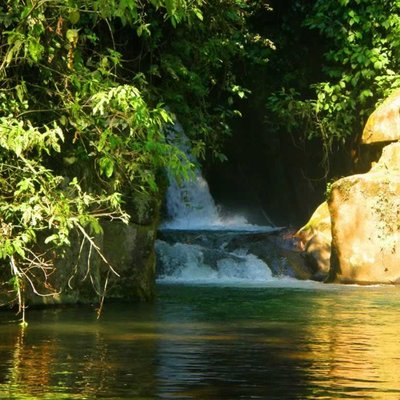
(126, 272)
(383, 125)
(315, 242)
(82, 276)
(365, 213)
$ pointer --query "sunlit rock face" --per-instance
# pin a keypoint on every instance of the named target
(383, 125)
(315, 242)
(365, 213)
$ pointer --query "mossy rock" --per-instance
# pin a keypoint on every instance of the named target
(315, 242)
(365, 211)
(383, 125)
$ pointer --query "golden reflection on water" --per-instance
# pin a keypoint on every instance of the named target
(31, 365)
(339, 346)
(62, 365)
(37, 367)
(357, 351)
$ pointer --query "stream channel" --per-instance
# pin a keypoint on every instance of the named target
(224, 326)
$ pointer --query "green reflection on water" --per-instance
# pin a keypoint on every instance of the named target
(211, 343)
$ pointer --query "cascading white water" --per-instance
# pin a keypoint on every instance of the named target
(189, 203)
(191, 207)
(188, 263)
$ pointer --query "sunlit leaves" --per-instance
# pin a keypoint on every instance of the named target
(88, 92)
(20, 137)
(132, 140)
(199, 69)
(361, 66)
(363, 55)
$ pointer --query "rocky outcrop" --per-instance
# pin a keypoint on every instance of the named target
(82, 276)
(365, 213)
(355, 237)
(315, 242)
(383, 125)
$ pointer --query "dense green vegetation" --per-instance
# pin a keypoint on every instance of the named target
(358, 40)
(88, 90)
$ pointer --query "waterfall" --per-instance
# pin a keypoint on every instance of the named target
(190, 205)
(196, 243)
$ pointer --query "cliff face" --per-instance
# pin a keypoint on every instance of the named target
(129, 251)
(121, 268)
(364, 211)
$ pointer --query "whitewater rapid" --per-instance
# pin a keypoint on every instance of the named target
(191, 208)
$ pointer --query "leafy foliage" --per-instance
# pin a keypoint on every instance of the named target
(84, 91)
(361, 67)
(201, 68)
(62, 103)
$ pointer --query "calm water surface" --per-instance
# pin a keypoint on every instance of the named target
(305, 341)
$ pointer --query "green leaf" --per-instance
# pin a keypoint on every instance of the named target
(18, 248)
(74, 16)
(72, 35)
(198, 14)
(165, 116)
(25, 12)
(95, 225)
(106, 166)
(170, 6)
(21, 91)
(51, 238)
(35, 49)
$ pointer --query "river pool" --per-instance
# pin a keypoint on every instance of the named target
(282, 340)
